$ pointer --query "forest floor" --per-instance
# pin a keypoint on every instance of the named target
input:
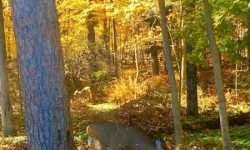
(149, 107)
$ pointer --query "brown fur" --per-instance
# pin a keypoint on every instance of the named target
(119, 136)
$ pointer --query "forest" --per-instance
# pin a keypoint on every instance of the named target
(128, 74)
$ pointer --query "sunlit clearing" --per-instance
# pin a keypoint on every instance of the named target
(104, 106)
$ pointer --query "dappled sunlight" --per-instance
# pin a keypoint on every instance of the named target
(13, 143)
(103, 107)
(114, 59)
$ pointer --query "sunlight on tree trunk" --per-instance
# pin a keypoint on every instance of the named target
(183, 66)
(218, 78)
(135, 54)
(175, 102)
(183, 57)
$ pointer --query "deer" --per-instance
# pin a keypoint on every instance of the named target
(116, 136)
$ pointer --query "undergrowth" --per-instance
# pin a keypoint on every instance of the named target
(147, 104)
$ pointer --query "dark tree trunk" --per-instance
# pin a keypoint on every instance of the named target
(192, 102)
(91, 43)
(106, 42)
(42, 73)
(92, 53)
(115, 48)
(153, 50)
(91, 28)
(154, 64)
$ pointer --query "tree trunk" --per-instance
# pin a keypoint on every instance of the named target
(106, 42)
(183, 56)
(154, 61)
(218, 78)
(115, 48)
(248, 44)
(183, 66)
(91, 56)
(175, 102)
(46, 104)
(91, 44)
(192, 102)
(6, 109)
(153, 50)
(137, 69)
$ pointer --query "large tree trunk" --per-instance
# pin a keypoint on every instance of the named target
(175, 102)
(6, 109)
(218, 78)
(192, 102)
(42, 73)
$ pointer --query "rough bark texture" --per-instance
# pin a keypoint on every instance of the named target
(153, 50)
(175, 102)
(154, 60)
(6, 109)
(192, 103)
(218, 78)
(42, 74)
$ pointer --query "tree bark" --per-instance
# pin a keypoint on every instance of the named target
(91, 58)
(115, 48)
(106, 42)
(91, 44)
(153, 51)
(175, 102)
(6, 108)
(183, 66)
(192, 102)
(218, 78)
(154, 60)
(248, 43)
(46, 104)
(183, 56)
